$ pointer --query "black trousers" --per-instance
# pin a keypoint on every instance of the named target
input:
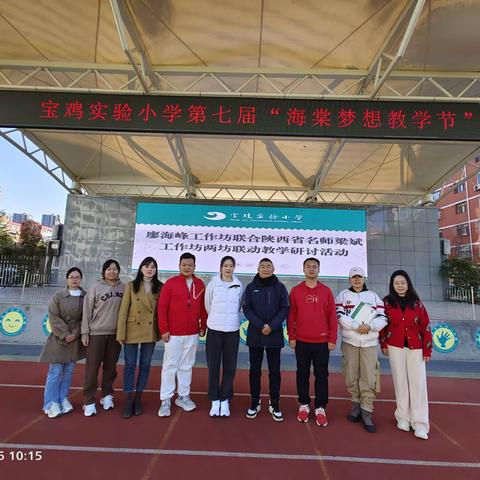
(318, 355)
(274, 377)
(222, 351)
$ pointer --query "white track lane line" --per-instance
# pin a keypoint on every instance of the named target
(384, 400)
(262, 456)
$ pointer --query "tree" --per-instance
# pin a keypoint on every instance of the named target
(462, 272)
(6, 241)
(31, 241)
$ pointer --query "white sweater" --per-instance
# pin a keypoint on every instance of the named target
(346, 301)
(222, 302)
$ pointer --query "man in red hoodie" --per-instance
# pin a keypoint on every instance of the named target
(312, 332)
(181, 318)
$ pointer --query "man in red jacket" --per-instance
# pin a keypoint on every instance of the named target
(312, 332)
(181, 318)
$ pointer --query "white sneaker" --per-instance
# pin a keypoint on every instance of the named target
(164, 410)
(66, 406)
(53, 410)
(224, 408)
(277, 415)
(186, 403)
(107, 402)
(252, 412)
(421, 433)
(215, 409)
(89, 410)
(403, 425)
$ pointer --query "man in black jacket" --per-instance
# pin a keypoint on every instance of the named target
(265, 305)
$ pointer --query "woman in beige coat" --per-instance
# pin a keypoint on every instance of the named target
(137, 327)
(63, 347)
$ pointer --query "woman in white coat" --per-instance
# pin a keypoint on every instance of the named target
(222, 302)
(359, 344)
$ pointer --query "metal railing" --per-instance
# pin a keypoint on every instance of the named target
(466, 295)
(22, 273)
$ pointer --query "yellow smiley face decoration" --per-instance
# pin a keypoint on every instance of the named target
(285, 333)
(46, 327)
(13, 321)
(243, 330)
(204, 338)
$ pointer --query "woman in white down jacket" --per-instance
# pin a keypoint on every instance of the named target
(222, 302)
(359, 345)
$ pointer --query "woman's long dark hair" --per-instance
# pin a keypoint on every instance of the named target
(156, 283)
(224, 259)
(411, 295)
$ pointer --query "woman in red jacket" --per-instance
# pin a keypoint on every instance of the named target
(407, 341)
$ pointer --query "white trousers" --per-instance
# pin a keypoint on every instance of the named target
(178, 360)
(410, 383)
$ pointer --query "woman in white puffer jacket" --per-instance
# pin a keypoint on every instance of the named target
(359, 345)
(222, 301)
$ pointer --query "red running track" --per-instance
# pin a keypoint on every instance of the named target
(194, 446)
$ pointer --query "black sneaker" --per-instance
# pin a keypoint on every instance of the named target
(274, 410)
(368, 421)
(255, 407)
(355, 413)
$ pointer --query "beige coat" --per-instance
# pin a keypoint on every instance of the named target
(137, 318)
(65, 316)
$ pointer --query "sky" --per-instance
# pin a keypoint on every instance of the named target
(25, 187)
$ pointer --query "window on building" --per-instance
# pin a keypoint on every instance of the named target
(459, 188)
(461, 208)
(478, 178)
(462, 230)
(464, 251)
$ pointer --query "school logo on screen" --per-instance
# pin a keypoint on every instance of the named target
(13, 321)
(445, 338)
(46, 327)
(215, 216)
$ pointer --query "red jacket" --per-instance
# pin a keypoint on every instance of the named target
(182, 311)
(312, 317)
(411, 328)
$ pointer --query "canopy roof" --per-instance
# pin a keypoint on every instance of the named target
(347, 49)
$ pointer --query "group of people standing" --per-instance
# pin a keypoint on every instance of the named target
(95, 325)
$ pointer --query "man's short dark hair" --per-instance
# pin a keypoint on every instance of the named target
(186, 256)
(265, 260)
(311, 259)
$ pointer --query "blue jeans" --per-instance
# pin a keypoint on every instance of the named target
(59, 379)
(130, 351)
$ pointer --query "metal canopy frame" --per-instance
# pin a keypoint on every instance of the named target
(29, 145)
(335, 84)
(125, 22)
(257, 194)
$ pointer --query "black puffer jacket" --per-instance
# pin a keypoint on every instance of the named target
(265, 302)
